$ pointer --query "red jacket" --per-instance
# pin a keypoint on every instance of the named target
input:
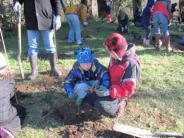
(124, 75)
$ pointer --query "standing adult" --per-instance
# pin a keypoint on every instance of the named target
(41, 17)
(161, 16)
(146, 21)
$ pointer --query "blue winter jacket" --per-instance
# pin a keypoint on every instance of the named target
(77, 75)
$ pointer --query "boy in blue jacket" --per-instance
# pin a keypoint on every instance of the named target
(86, 75)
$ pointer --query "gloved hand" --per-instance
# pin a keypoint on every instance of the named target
(102, 91)
(85, 23)
(72, 95)
(57, 22)
(16, 6)
(94, 84)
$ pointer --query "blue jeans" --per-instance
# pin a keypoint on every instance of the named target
(107, 104)
(33, 41)
(82, 89)
(160, 24)
(75, 31)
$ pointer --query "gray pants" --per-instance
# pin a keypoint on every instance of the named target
(106, 103)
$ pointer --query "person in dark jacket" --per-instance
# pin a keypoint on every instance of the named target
(86, 75)
(41, 17)
(124, 72)
(146, 21)
(123, 22)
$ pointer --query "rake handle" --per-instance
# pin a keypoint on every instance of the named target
(19, 44)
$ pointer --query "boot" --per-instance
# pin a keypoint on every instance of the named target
(144, 41)
(34, 67)
(168, 43)
(147, 42)
(157, 42)
(54, 71)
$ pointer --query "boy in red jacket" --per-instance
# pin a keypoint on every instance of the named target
(124, 72)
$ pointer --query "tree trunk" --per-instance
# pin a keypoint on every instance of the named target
(93, 8)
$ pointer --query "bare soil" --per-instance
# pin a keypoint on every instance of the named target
(87, 121)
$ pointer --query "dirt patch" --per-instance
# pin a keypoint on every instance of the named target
(43, 84)
(85, 121)
(88, 121)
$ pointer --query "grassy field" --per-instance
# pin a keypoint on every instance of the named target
(157, 105)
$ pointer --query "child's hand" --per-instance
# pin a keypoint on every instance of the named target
(94, 84)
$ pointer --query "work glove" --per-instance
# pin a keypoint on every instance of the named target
(85, 23)
(94, 84)
(81, 94)
(102, 91)
(16, 6)
(72, 95)
(57, 22)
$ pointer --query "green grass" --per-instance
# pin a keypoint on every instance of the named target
(158, 104)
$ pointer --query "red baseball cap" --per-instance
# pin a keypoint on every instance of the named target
(117, 43)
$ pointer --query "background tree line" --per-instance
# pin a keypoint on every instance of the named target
(96, 9)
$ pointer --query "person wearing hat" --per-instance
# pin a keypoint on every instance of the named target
(9, 119)
(124, 72)
(87, 75)
(123, 22)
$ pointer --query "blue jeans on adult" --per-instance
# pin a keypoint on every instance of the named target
(75, 31)
(160, 24)
(33, 41)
